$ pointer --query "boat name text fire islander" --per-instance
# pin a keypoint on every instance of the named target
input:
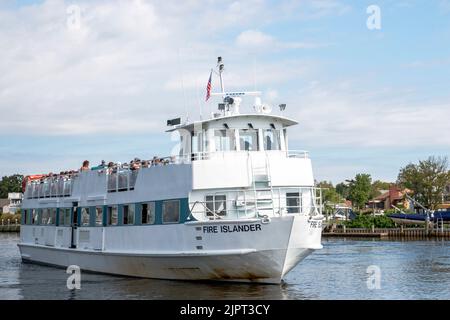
(235, 204)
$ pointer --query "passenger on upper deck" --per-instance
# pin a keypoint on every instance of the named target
(100, 166)
(135, 164)
(156, 161)
(85, 166)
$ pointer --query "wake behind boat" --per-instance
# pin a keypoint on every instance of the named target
(234, 204)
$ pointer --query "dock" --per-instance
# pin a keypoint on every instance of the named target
(404, 233)
(10, 228)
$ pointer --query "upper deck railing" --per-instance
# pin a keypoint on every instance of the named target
(51, 187)
(123, 178)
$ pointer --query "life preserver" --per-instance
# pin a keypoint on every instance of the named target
(27, 179)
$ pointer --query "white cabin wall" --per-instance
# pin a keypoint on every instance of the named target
(223, 170)
(291, 171)
(157, 183)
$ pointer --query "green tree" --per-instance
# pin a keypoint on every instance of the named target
(10, 184)
(377, 186)
(343, 190)
(360, 190)
(329, 195)
(427, 179)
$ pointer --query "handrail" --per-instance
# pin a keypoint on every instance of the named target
(301, 154)
(245, 203)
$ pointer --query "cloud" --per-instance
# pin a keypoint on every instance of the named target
(254, 39)
(117, 71)
(338, 115)
(133, 64)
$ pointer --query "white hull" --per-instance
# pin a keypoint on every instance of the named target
(243, 257)
(261, 267)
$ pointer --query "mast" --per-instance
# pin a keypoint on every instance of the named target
(221, 67)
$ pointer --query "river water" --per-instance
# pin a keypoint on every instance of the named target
(408, 270)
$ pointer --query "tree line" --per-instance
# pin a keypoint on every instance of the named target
(427, 180)
(10, 184)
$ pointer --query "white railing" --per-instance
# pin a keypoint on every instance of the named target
(50, 187)
(246, 204)
(122, 180)
(302, 154)
(208, 155)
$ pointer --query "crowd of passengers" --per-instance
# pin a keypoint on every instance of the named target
(111, 167)
(134, 164)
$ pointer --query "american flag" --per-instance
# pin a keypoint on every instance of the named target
(208, 87)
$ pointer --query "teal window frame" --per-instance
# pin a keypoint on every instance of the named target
(179, 211)
(117, 217)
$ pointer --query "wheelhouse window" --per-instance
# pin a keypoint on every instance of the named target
(224, 140)
(128, 214)
(216, 205)
(85, 217)
(99, 216)
(197, 144)
(272, 140)
(248, 139)
(293, 202)
(148, 213)
(112, 216)
(171, 211)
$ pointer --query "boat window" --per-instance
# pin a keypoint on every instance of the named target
(25, 218)
(68, 218)
(64, 216)
(52, 216)
(197, 142)
(171, 211)
(249, 139)
(293, 202)
(85, 217)
(216, 204)
(272, 139)
(44, 216)
(112, 216)
(99, 216)
(224, 140)
(148, 213)
(35, 216)
(128, 214)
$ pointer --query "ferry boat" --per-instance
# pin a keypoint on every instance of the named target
(234, 204)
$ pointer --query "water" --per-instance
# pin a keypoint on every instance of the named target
(409, 270)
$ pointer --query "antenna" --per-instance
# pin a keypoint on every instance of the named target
(221, 67)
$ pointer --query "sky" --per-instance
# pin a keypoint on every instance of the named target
(97, 79)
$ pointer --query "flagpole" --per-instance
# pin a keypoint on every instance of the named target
(198, 99)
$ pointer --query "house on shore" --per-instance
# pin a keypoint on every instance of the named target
(12, 204)
(395, 196)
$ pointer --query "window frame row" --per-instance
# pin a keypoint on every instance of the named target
(152, 212)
